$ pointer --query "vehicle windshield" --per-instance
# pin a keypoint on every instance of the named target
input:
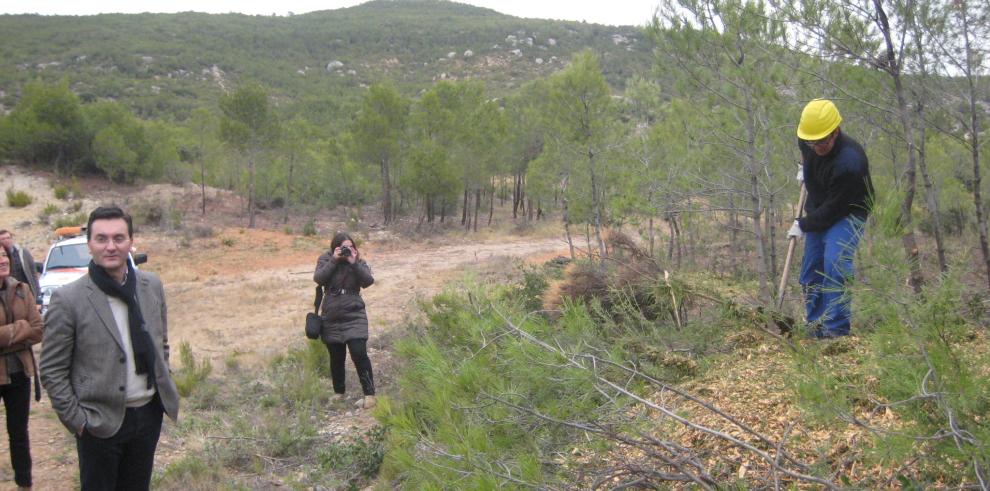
(68, 256)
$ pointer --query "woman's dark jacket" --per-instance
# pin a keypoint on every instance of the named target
(838, 184)
(344, 317)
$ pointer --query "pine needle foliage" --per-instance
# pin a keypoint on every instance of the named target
(914, 372)
(481, 405)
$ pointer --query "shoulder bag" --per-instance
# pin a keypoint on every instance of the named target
(314, 324)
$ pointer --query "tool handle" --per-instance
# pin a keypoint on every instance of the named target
(792, 244)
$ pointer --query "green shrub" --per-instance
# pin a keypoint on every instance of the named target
(76, 206)
(75, 189)
(46, 213)
(355, 458)
(71, 220)
(148, 213)
(917, 359)
(228, 241)
(175, 218)
(194, 473)
(61, 192)
(192, 374)
(18, 199)
(309, 229)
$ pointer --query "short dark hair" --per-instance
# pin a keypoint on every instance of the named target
(5, 231)
(109, 213)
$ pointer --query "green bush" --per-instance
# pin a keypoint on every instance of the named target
(50, 209)
(61, 192)
(358, 457)
(148, 213)
(64, 191)
(453, 375)
(188, 472)
(71, 220)
(18, 199)
(175, 218)
(309, 229)
(191, 375)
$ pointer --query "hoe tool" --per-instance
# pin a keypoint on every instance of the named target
(792, 243)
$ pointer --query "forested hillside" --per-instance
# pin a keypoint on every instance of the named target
(163, 66)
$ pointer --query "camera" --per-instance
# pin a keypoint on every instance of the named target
(345, 251)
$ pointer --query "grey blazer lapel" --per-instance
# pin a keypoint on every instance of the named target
(101, 306)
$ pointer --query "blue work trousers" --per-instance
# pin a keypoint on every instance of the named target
(828, 263)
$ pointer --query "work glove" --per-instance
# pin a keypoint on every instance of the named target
(795, 230)
(800, 174)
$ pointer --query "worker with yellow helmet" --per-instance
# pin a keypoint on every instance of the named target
(836, 174)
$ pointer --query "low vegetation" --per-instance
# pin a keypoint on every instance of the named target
(256, 428)
(18, 199)
(611, 386)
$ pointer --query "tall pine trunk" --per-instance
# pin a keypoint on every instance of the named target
(386, 192)
(893, 68)
(974, 128)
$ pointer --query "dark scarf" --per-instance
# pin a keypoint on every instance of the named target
(144, 357)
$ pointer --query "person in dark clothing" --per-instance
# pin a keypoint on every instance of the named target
(20, 328)
(836, 174)
(22, 266)
(342, 274)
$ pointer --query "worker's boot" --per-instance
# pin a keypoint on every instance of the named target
(367, 402)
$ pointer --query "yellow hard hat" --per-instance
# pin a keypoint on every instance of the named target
(819, 118)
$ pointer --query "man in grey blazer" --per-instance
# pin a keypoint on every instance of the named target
(104, 360)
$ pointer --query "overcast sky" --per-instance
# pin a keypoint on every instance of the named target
(614, 12)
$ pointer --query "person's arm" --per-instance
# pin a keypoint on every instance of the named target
(165, 347)
(363, 273)
(844, 189)
(57, 351)
(23, 332)
(325, 266)
(31, 273)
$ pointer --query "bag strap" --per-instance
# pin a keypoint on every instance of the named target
(319, 299)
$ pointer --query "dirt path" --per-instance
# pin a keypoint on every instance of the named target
(242, 295)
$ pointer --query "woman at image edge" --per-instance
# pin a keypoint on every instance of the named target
(20, 328)
(343, 274)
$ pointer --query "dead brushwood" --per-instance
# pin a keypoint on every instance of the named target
(582, 281)
(658, 461)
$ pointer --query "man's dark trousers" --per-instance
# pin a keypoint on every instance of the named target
(124, 461)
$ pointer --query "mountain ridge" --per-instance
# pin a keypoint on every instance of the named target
(138, 58)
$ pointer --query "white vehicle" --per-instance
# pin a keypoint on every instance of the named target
(68, 260)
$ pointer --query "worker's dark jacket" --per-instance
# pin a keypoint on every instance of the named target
(838, 184)
(344, 316)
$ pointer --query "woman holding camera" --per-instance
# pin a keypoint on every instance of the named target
(342, 274)
(20, 328)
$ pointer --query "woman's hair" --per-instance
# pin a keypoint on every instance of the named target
(339, 239)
